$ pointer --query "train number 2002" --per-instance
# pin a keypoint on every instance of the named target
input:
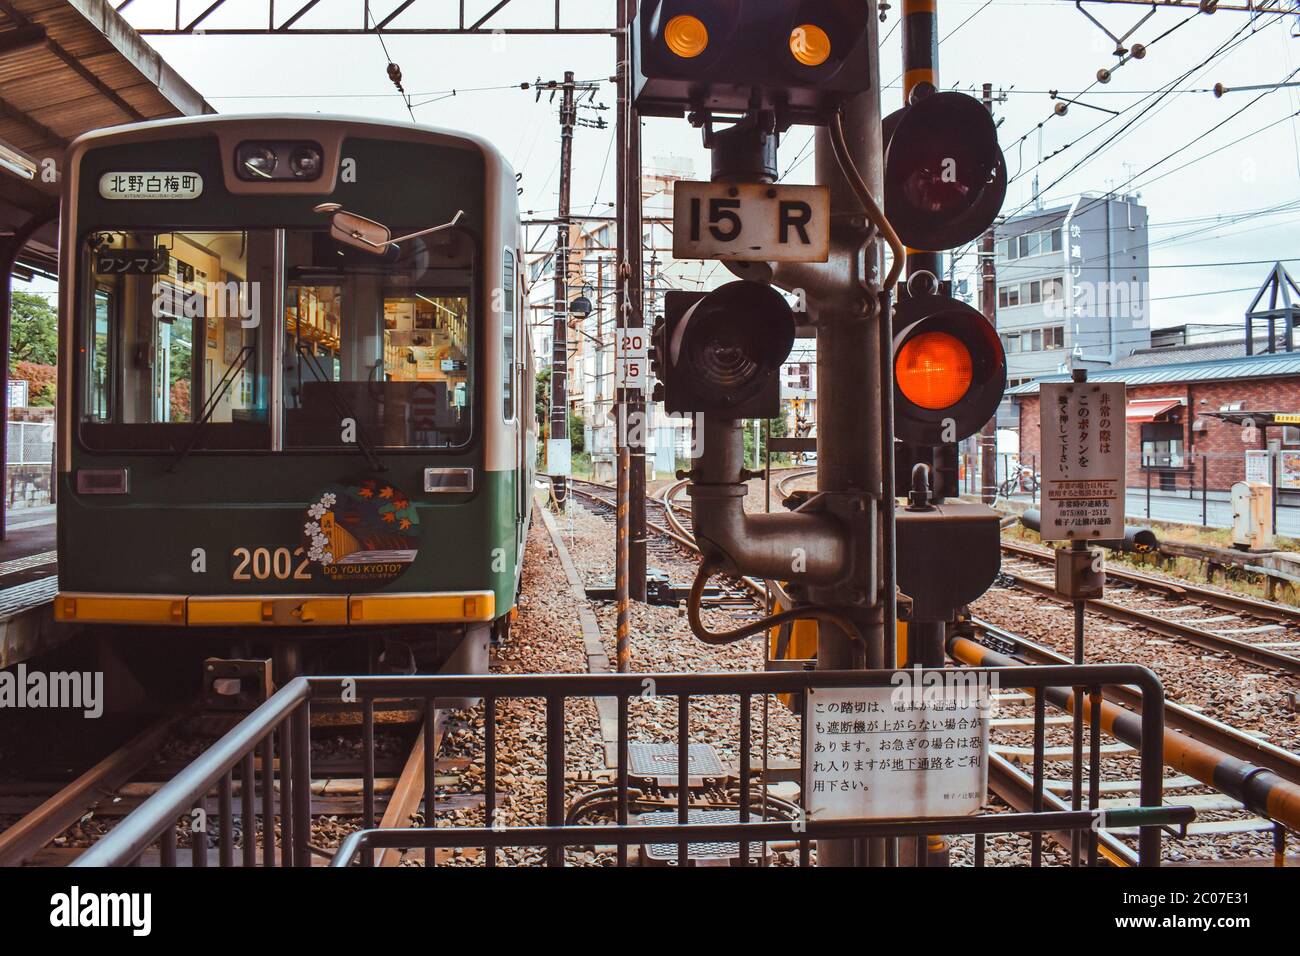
(262, 564)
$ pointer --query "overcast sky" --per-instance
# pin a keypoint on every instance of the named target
(1239, 204)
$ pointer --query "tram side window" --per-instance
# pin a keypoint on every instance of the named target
(172, 337)
(98, 359)
(508, 335)
(379, 349)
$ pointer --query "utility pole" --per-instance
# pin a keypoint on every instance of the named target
(633, 426)
(989, 306)
(560, 325)
(622, 458)
(921, 69)
(850, 444)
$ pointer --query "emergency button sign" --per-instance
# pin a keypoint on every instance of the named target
(1083, 455)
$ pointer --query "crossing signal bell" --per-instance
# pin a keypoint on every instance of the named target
(945, 175)
(797, 58)
(950, 371)
(720, 352)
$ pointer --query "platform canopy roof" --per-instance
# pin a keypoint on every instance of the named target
(68, 67)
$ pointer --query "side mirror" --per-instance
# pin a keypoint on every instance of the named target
(356, 231)
(362, 233)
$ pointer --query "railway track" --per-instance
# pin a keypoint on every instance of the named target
(1221, 819)
(1261, 632)
(1225, 823)
(48, 833)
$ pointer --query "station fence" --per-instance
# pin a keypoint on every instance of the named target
(1203, 478)
(281, 728)
(29, 453)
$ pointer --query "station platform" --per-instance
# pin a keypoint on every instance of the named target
(28, 582)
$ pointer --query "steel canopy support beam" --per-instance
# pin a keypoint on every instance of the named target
(266, 25)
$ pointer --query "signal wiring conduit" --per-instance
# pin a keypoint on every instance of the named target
(869, 205)
(707, 569)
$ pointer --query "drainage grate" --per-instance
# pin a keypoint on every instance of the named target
(660, 760)
(665, 852)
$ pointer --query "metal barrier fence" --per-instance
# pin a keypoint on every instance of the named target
(281, 728)
(29, 469)
(29, 443)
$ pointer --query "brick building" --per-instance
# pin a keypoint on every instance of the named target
(1175, 399)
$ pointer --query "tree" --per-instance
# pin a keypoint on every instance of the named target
(34, 331)
(542, 399)
(42, 381)
(577, 433)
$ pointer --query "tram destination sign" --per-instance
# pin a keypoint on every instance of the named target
(151, 185)
(1083, 459)
(751, 222)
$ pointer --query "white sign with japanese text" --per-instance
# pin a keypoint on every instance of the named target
(1083, 458)
(632, 362)
(884, 752)
(157, 185)
(1257, 465)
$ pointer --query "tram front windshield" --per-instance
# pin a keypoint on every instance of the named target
(184, 336)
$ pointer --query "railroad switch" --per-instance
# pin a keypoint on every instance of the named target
(660, 590)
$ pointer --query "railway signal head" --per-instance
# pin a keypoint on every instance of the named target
(798, 58)
(950, 371)
(720, 352)
(945, 176)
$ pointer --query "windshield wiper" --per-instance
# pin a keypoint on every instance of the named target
(210, 406)
(342, 407)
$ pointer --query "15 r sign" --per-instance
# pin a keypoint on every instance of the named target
(751, 222)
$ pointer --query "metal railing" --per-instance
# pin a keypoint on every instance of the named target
(281, 727)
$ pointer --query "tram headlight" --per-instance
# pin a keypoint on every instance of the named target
(256, 161)
(305, 162)
(279, 161)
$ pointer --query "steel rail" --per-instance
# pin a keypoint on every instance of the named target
(783, 483)
(1265, 657)
(1207, 730)
(25, 838)
(1259, 790)
(1016, 788)
(140, 828)
(1238, 603)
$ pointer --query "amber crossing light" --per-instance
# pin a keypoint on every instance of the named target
(686, 36)
(934, 370)
(810, 44)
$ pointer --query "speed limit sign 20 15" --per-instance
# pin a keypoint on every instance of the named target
(751, 222)
(632, 364)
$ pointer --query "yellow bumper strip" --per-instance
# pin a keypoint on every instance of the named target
(120, 608)
(326, 610)
(437, 608)
(268, 611)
